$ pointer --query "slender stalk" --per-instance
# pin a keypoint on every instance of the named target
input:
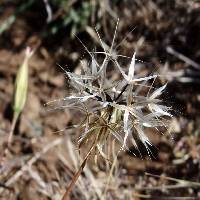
(110, 175)
(13, 124)
(76, 176)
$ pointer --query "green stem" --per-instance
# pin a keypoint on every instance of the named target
(14, 121)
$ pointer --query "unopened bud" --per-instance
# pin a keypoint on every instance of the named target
(21, 84)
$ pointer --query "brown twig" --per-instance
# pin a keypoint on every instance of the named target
(183, 182)
(183, 57)
(75, 177)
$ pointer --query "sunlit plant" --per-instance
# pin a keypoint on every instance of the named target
(116, 108)
(121, 109)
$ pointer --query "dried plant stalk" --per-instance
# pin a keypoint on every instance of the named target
(121, 108)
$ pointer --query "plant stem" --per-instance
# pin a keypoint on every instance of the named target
(75, 177)
(14, 121)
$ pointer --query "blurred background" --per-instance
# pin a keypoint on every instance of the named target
(43, 155)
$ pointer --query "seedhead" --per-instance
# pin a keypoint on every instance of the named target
(120, 108)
